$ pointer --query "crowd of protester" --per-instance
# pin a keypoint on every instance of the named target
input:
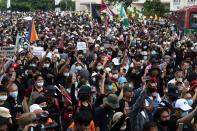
(140, 78)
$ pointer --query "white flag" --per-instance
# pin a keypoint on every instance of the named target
(8, 4)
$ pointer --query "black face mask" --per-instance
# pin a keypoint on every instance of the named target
(164, 123)
(152, 89)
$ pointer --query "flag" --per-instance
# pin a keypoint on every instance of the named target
(32, 35)
(103, 6)
(95, 14)
(8, 4)
(124, 16)
(17, 41)
(105, 9)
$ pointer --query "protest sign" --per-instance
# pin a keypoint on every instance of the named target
(6, 51)
(38, 51)
(81, 46)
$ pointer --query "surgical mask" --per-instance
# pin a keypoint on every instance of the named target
(179, 79)
(40, 84)
(14, 94)
(66, 74)
(109, 87)
(153, 52)
(183, 114)
(46, 65)
(115, 76)
(33, 65)
(78, 68)
(3, 98)
(190, 102)
(94, 79)
(110, 53)
(99, 67)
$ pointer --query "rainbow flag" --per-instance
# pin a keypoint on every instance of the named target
(32, 32)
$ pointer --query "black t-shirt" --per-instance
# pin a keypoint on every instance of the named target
(174, 126)
(103, 118)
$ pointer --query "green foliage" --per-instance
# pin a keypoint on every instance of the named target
(3, 5)
(29, 5)
(67, 5)
(153, 7)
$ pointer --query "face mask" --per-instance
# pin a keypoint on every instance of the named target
(110, 53)
(99, 67)
(115, 76)
(109, 87)
(164, 123)
(78, 68)
(14, 94)
(46, 65)
(153, 52)
(94, 79)
(33, 65)
(190, 102)
(3, 98)
(40, 84)
(66, 74)
(180, 79)
(183, 114)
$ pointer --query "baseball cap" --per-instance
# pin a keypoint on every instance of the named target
(51, 90)
(116, 61)
(84, 73)
(4, 112)
(173, 91)
(85, 89)
(182, 104)
(34, 107)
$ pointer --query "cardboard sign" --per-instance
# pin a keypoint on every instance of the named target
(38, 51)
(7, 51)
(81, 46)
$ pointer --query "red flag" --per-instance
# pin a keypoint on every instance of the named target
(32, 32)
(103, 6)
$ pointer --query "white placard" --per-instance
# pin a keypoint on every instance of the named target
(7, 51)
(38, 51)
(81, 46)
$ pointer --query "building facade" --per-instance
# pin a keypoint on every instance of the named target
(179, 4)
(82, 5)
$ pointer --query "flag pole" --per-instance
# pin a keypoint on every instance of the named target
(91, 9)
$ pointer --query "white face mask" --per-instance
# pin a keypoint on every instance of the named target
(78, 68)
(115, 76)
(40, 84)
(14, 94)
(46, 65)
(99, 67)
(66, 74)
(3, 98)
(179, 79)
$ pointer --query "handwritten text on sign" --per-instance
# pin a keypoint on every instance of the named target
(7, 51)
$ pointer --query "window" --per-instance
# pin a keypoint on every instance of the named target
(193, 20)
(191, 1)
(176, 1)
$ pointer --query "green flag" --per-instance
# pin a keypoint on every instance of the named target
(124, 16)
(17, 41)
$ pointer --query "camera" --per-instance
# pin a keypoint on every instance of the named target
(43, 125)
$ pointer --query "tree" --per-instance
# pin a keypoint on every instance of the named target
(153, 7)
(67, 5)
(127, 3)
